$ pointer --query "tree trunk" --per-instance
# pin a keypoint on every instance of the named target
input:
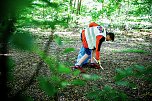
(71, 3)
(74, 6)
(79, 7)
(6, 30)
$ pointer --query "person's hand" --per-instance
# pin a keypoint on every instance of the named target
(98, 61)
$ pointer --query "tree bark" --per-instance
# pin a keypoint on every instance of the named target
(71, 2)
(74, 6)
(6, 29)
(79, 6)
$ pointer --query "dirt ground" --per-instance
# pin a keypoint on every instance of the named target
(112, 57)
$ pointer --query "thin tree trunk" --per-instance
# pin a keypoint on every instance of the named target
(74, 6)
(79, 6)
(71, 2)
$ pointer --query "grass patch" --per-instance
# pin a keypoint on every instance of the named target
(130, 51)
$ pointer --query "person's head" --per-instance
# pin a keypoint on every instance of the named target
(110, 36)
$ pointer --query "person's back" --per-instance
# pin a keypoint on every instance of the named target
(93, 24)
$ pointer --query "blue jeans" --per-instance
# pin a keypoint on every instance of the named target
(82, 52)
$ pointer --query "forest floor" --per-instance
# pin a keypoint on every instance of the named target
(113, 55)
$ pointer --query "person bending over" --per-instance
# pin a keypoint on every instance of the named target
(92, 38)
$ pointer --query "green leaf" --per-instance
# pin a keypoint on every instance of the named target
(78, 82)
(63, 69)
(95, 77)
(91, 77)
(65, 84)
(50, 62)
(58, 40)
(147, 79)
(126, 83)
(123, 96)
(122, 83)
(107, 88)
(55, 79)
(23, 41)
(139, 68)
(120, 71)
(93, 95)
(129, 71)
(132, 85)
(47, 86)
(67, 50)
(76, 72)
(86, 76)
(120, 74)
(101, 1)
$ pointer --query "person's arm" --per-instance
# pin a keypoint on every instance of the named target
(99, 41)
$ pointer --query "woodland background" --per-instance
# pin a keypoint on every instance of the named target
(40, 40)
